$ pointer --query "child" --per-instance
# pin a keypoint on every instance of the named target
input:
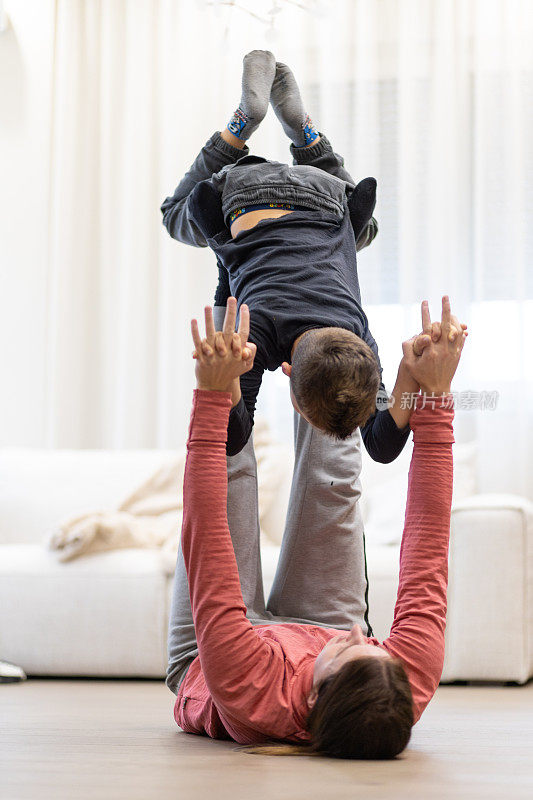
(286, 240)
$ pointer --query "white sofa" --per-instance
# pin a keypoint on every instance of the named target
(107, 614)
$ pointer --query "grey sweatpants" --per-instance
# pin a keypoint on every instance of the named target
(321, 574)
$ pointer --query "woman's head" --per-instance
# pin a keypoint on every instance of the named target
(361, 703)
(339, 650)
(361, 708)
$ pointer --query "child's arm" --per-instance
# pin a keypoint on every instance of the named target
(383, 439)
(361, 204)
(387, 430)
(241, 418)
(193, 213)
(367, 235)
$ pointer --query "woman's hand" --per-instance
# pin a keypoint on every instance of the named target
(223, 356)
(406, 383)
(432, 331)
(433, 363)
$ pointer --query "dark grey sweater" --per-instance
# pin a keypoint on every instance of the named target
(295, 273)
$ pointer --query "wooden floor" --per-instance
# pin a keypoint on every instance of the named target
(110, 740)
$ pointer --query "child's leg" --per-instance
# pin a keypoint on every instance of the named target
(321, 155)
(288, 107)
(308, 145)
(321, 575)
(201, 185)
(314, 149)
(259, 69)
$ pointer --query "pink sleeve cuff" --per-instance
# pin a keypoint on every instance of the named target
(432, 420)
(209, 416)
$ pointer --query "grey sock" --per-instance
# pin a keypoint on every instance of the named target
(259, 68)
(288, 107)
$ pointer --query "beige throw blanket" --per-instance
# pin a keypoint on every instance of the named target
(151, 516)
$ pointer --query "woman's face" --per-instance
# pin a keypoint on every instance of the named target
(341, 649)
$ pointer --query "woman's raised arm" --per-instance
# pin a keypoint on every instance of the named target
(417, 633)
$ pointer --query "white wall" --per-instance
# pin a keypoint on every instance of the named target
(26, 52)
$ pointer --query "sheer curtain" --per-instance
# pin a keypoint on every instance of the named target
(432, 97)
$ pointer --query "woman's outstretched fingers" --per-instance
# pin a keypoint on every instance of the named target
(230, 318)
(461, 327)
(209, 325)
(426, 318)
(456, 328)
(220, 344)
(460, 340)
(249, 354)
(207, 350)
(223, 360)
(435, 331)
(244, 323)
(420, 343)
(236, 347)
(446, 319)
(196, 335)
(249, 351)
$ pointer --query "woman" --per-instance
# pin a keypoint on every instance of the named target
(288, 680)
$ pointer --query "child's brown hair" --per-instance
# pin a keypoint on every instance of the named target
(335, 379)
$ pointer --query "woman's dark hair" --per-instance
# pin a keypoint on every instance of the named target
(365, 710)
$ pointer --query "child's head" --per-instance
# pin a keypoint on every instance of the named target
(334, 380)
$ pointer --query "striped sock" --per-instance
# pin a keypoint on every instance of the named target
(258, 72)
(289, 109)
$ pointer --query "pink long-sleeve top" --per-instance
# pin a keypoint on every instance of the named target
(251, 683)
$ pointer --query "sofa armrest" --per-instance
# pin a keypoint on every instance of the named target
(489, 633)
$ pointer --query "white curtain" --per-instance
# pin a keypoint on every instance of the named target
(432, 97)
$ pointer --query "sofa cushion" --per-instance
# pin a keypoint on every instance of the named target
(101, 615)
(385, 491)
